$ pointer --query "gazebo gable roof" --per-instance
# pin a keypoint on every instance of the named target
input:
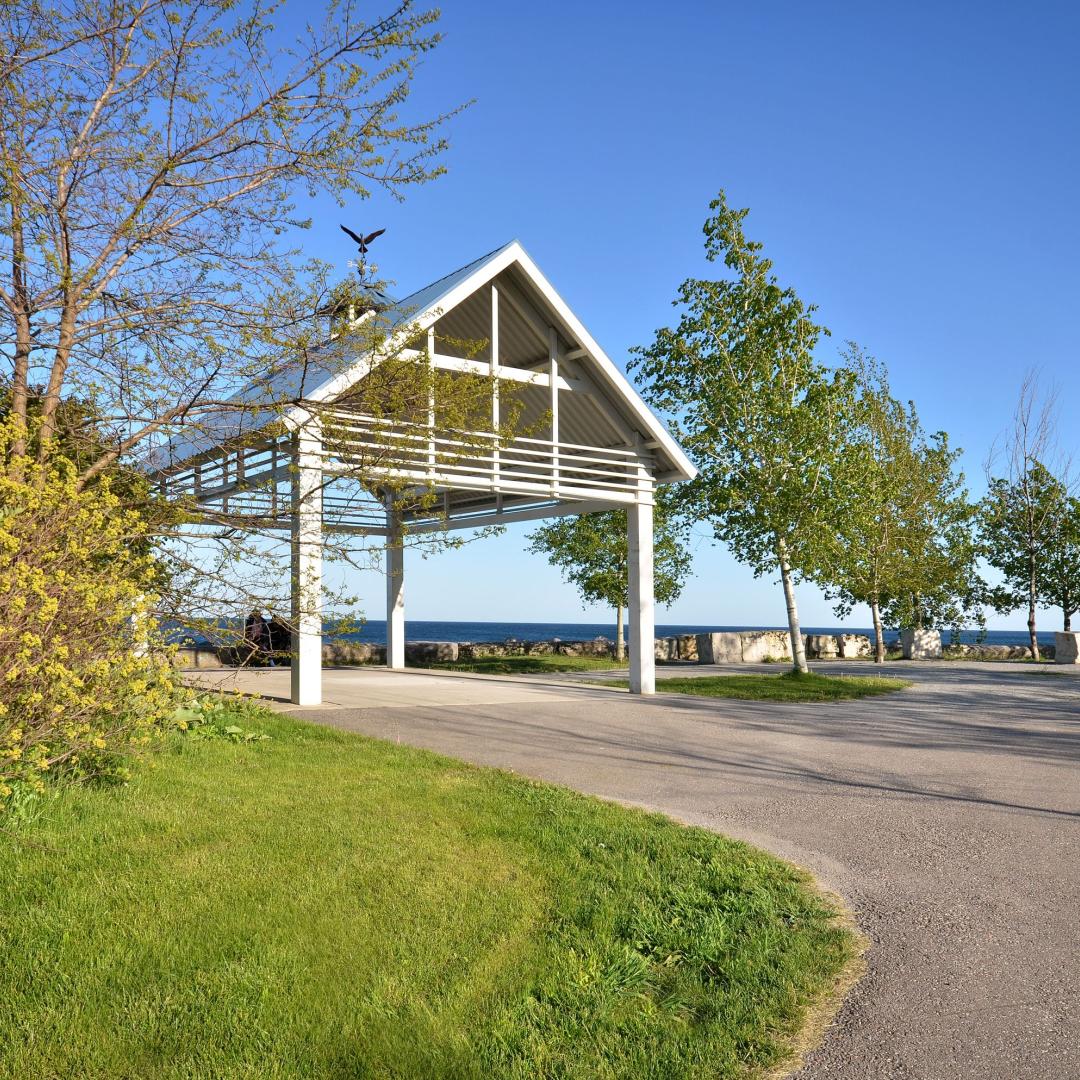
(424, 308)
(261, 403)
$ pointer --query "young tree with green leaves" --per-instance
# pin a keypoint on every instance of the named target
(1020, 530)
(762, 420)
(592, 551)
(903, 539)
(1020, 508)
(1059, 568)
(941, 587)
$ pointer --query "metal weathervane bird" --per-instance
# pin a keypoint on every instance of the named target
(378, 300)
(363, 242)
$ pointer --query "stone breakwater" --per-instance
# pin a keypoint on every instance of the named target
(350, 653)
(733, 647)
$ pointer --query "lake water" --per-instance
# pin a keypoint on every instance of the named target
(374, 631)
(431, 630)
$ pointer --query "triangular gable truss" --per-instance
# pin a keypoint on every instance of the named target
(604, 448)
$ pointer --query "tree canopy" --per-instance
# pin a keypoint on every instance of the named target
(762, 420)
(1059, 566)
(1024, 503)
(1025, 528)
(153, 159)
(903, 536)
(151, 155)
(592, 552)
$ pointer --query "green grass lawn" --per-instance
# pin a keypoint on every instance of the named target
(325, 905)
(785, 687)
(528, 665)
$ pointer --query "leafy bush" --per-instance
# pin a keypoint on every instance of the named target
(78, 691)
(208, 717)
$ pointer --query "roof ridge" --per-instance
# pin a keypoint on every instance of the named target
(453, 273)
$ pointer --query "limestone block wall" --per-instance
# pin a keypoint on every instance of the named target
(921, 644)
(995, 652)
(1066, 648)
(853, 646)
(821, 646)
(732, 647)
(347, 653)
(721, 648)
(761, 645)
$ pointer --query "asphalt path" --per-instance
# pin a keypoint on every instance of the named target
(947, 816)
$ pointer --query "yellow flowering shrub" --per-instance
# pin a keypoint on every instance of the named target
(80, 686)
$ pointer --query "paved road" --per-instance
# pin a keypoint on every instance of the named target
(948, 816)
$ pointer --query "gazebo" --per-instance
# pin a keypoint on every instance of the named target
(603, 449)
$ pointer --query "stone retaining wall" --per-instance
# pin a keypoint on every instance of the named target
(732, 647)
(1067, 647)
(350, 653)
(759, 646)
(995, 652)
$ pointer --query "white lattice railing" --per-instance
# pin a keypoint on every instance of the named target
(255, 481)
(480, 461)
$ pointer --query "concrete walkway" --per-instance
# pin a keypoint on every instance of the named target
(379, 688)
(947, 815)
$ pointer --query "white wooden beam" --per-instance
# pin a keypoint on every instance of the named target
(529, 315)
(509, 515)
(507, 374)
(306, 576)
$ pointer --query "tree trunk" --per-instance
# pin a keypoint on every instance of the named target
(1032, 596)
(1068, 623)
(20, 376)
(798, 653)
(620, 637)
(879, 637)
(51, 401)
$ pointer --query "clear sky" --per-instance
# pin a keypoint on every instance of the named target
(912, 168)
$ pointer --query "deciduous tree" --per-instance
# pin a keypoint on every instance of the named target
(592, 552)
(762, 420)
(1022, 504)
(1059, 567)
(903, 535)
(151, 152)
(152, 156)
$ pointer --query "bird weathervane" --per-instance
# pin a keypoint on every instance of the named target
(363, 243)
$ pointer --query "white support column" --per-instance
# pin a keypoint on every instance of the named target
(553, 365)
(431, 403)
(395, 592)
(639, 520)
(307, 566)
(496, 414)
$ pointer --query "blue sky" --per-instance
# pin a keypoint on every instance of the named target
(912, 169)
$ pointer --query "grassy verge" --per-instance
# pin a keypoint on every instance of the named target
(324, 905)
(528, 665)
(786, 687)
